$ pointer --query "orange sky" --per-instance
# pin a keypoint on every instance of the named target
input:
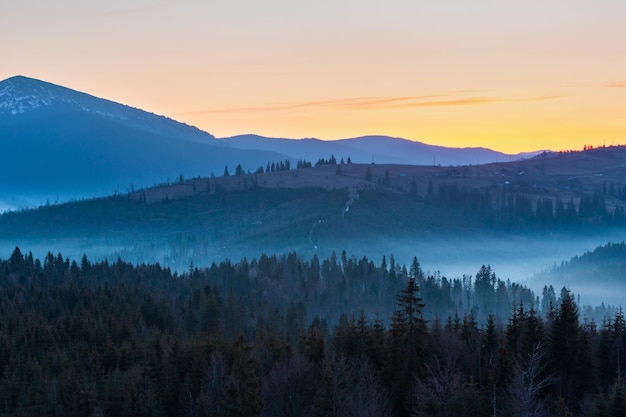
(511, 76)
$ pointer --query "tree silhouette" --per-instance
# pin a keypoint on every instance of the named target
(408, 345)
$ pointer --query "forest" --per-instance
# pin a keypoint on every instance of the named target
(215, 222)
(285, 336)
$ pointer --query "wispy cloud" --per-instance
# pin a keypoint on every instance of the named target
(464, 101)
(382, 103)
(597, 85)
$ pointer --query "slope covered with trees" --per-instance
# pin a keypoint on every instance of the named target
(83, 338)
(607, 261)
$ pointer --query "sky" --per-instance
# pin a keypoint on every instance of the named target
(509, 75)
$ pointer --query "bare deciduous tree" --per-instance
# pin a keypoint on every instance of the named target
(530, 379)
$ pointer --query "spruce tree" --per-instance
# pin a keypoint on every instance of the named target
(408, 346)
(617, 400)
(570, 353)
(239, 170)
(244, 389)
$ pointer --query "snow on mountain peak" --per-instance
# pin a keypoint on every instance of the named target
(16, 96)
(20, 95)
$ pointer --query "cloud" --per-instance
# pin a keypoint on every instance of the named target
(465, 101)
(382, 103)
(596, 85)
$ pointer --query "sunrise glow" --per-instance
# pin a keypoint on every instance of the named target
(512, 77)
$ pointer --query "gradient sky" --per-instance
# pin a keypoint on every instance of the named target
(509, 75)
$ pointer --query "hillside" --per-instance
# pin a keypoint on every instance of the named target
(64, 144)
(520, 217)
(565, 176)
(599, 273)
(288, 334)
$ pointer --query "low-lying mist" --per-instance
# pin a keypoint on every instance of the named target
(524, 259)
(519, 258)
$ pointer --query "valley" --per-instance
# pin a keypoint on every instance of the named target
(454, 219)
(134, 279)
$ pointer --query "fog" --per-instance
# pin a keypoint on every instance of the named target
(518, 258)
(512, 257)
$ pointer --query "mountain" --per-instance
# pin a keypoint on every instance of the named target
(606, 263)
(63, 144)
(377, 149)
(521, 217)
(23, 98)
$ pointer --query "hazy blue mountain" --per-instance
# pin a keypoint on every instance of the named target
(378, 149)
(62, 144)
(596, 274)
(490, 213)
(59, 144)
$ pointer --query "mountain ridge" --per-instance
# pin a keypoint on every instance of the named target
(447, 215)
(22, 95)
(379, 149)
(65, 144)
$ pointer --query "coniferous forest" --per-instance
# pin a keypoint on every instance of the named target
(150, 268)
(285, 336)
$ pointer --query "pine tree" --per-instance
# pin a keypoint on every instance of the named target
(324, 399)
(570, 353)
(416, 270)
(244, 389)
(533, 332)
(619, 334)
(408, 346)
(617, 400)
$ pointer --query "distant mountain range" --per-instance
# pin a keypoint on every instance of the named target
(62, 144)
(506, 214)
(374, 149)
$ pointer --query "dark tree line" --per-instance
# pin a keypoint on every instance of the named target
(83, 338)
(332, 161)
(614, 190)
(507, 209)
(285, 166)
(281, 166)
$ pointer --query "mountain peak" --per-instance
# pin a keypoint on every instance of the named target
(21, 96)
